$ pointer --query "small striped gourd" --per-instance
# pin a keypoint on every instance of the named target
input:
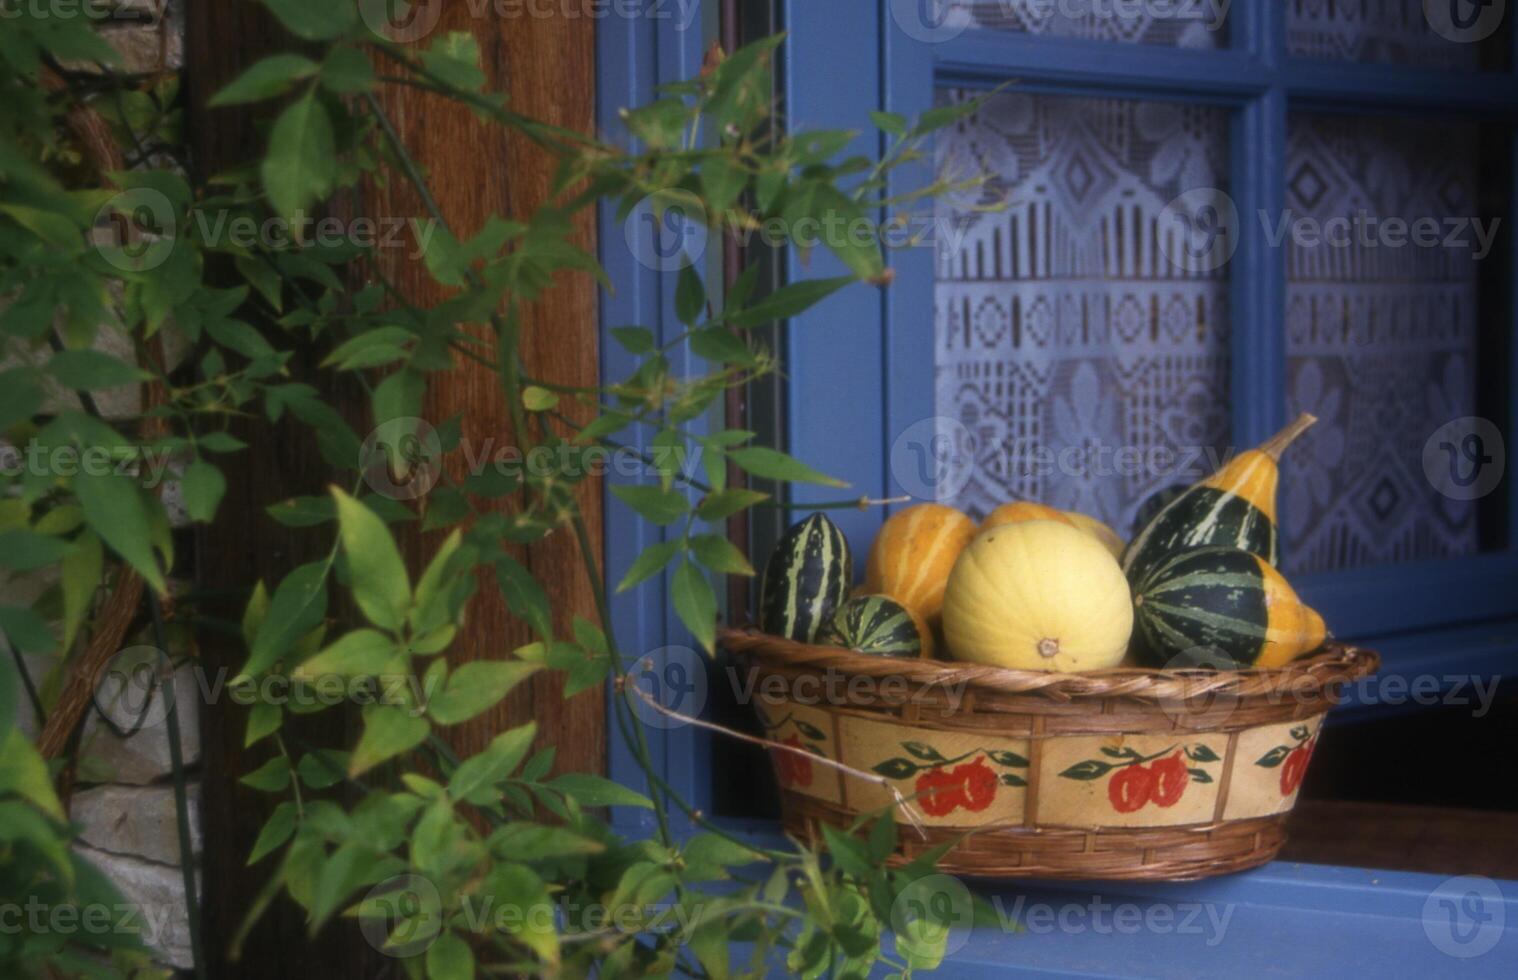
(807, 577)
(913, 554)
(1233, 508)
(1223, 608)
(880, 626)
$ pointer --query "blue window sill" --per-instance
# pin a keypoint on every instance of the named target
(1282, 920)
(1287, 920)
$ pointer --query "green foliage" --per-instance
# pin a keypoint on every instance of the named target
(102, 276)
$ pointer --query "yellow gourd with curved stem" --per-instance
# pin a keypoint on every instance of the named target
(1233, 508)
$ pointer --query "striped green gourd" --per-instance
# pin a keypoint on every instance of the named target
(1222, 608)
(807, 577)
(874, 624)
(1233, 508)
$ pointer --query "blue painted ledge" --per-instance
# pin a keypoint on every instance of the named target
(1283, 920)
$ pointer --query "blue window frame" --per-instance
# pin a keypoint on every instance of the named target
(845, 384)
(850, 389)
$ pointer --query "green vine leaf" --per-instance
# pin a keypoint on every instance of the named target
(299, 604)
(788, 301)
(271, 777)
(476, 687)
(116, 511)
(271, 77)
(690, 295)
(485, 770)
(524, 596)
(314, 21)
(1003, 757)
(301, 166)
(1012, 779)
(656, 504)
(695, 603)
(203, 487)
(388, 731)
(25, 551)
(650, 562)
(361, 653)
(772, 464)
(589, 790)
(718, 554)
(536, 399)
(91, 370)
(276, 830)
(450, 958)
(720, 506)
(1201, 753)
(1200, 775)
(381, 587)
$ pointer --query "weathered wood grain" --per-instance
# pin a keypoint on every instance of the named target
(547, 67)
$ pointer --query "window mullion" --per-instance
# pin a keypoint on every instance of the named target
(1259, 270)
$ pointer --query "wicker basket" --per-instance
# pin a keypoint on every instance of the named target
(1114, 774)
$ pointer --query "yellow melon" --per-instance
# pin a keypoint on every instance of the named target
(1109, 538)
(1026, 510)
(1038, 595)
(1023, 510)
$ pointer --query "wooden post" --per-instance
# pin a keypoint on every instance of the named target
(546, 65)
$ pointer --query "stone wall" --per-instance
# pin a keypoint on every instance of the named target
(124, 797)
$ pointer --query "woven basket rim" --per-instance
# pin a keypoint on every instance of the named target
(1338, 663)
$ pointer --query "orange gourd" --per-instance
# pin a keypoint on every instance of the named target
(913, 555)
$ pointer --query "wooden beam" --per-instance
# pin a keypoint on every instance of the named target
(546, 65)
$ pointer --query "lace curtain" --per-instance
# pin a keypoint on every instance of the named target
(1075, 364)
(1381, 340)
(1193, 25)
(1395, 32)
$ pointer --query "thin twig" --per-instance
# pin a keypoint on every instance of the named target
(906, 808)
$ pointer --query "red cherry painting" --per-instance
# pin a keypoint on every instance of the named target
(1130, 789)
(978, 783)
(939, 792)
(1295, 767)
(793, 769)
(1170, 779)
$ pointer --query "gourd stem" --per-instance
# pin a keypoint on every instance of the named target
(1278, 442)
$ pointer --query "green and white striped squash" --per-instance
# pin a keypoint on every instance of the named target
(1221, 608)
(876, 625)
(807, 577)
(1233, 508)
